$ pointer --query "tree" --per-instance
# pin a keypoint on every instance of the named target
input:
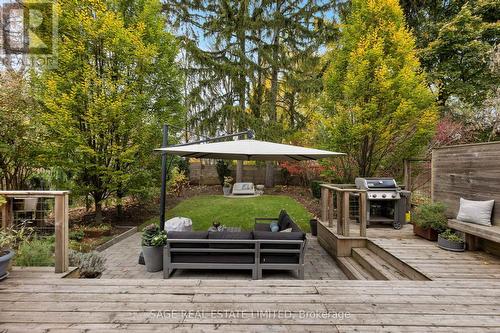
(377, 106)
(115, 83)
(459, 58)
(22, 136)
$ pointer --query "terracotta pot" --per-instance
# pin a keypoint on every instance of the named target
(429, 233)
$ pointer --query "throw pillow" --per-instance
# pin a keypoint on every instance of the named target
(286, 222)
(274, 227)
(478, 212)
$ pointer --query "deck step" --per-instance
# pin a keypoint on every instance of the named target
(400, 265)
(378, 267)
(353, 270)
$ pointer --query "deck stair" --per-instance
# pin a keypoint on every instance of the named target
(374, 263)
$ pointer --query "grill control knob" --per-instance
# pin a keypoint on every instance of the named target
(393, 196)
(383, 195)
(374, 195)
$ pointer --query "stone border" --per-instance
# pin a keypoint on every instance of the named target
(117, 238)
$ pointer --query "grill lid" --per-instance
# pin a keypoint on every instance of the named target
(376, 183)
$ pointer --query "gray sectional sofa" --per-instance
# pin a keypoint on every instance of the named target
(257, 250)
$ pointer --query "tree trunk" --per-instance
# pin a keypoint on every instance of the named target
(269, 183)
(98, 212)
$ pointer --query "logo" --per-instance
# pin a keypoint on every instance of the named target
(29, 28)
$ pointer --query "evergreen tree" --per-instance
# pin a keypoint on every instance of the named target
(378, 108)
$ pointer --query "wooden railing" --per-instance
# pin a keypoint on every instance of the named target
(343, 193)
(61, 207)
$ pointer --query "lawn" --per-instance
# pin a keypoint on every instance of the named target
(205, 209)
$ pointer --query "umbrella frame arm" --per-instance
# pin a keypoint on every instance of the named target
(165, 168)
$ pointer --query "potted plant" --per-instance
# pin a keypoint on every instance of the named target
(429, 220)
(7, 240)
(226, 188)
(451, 241)
(153, 241)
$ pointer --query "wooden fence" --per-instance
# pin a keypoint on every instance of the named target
(61, 220)
(470, 171)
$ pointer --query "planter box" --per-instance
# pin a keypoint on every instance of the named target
(446, 244)
(429, 234)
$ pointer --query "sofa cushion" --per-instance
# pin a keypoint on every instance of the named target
(267, 258)
(220, 258)
(478, 212)
(268, 235)
(231, 235)
(188, 235)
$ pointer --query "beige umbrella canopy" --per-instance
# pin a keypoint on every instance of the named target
(249, 150)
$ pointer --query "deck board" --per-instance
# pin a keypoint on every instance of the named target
(438, 264)
(110, 305)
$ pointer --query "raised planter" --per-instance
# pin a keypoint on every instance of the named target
(96, 233)
(5, 258)
(153, 258)
(449, 245)
(429, 233)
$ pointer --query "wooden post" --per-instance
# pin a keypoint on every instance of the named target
(345, 214)
(330, 208)
(407, 175)
(61, 229)
(362, 214)
(340, 213)
(7, 214)
(324, 204)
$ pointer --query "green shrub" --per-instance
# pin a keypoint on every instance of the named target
(451, 236)
(222, 170)
(154, 236)
(76, 235)
(316, 188)
(35, 252)
(90, 264)
(431, 216)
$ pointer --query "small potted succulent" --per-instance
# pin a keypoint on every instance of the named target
(429, 220)
(451, 241)
(226, 187)
(153, 241)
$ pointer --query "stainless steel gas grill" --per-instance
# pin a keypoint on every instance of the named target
(387, 203)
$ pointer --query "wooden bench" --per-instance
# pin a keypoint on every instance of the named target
(474, 232)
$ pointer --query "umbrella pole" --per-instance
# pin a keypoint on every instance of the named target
(163, 193)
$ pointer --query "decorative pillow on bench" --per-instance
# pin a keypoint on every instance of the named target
(478, 212)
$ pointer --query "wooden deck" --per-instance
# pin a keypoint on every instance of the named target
(427, 258)
(438, 264)
(110, 305)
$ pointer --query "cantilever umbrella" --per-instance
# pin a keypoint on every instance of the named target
(249, 150)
